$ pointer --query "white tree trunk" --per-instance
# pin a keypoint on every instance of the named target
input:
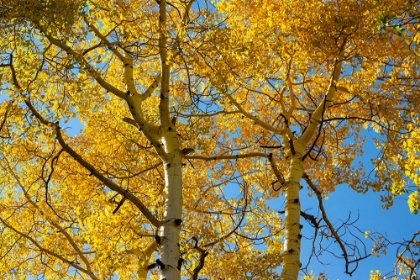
(291, 256)
(170, 230)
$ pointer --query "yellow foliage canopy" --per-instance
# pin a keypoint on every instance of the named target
(193, 117)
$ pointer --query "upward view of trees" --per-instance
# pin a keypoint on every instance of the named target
(197, 121)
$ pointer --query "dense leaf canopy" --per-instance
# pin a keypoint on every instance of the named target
(240, 99)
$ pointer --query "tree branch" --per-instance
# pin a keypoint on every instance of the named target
(220, 157)
(84, 63)
(327, 221)
(49, 252)
(107, 182)
(329, 96)
(250, 116)
(53, 223)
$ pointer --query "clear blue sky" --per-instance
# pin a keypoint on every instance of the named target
(396, 224)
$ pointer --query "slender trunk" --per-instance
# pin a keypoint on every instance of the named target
(291, 256)
(170, 230)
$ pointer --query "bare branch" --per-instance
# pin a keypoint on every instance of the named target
(203, 255)
(331, 227)
(276, 171)
(221, 157)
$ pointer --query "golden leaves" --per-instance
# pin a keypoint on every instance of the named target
(414, 202)
(245, 78)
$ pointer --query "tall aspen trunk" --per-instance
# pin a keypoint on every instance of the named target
(170, 230)
(291, 256)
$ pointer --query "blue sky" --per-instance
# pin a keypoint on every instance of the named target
(396, 224)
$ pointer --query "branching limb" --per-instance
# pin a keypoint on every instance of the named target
(148, 92)
(245, 206)
(319, 130)
(133, 100)
(332, 230)
(128, 66)
(310, 218)
(84, 63)
(3, 122)
(203, 255)
(292, 107)
(165, 67)
(221, 157)
(147, 129)
(53, 161)
(104, 39)
(250, 116)
(107, 182)
(119, 205)
(223, 112)
(50, 252)
(329, 96)
(154, 166)
(324, 216)
(276, 171)
(144, 258)
(132, 122)
(150, 131)
(279, 175)
(408, 257)
(56, 225)
(14, 77)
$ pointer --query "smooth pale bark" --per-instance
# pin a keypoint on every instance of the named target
(291, 255)
(169, 231)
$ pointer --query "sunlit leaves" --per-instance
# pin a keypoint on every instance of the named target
(246, 78)
(414, 202)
